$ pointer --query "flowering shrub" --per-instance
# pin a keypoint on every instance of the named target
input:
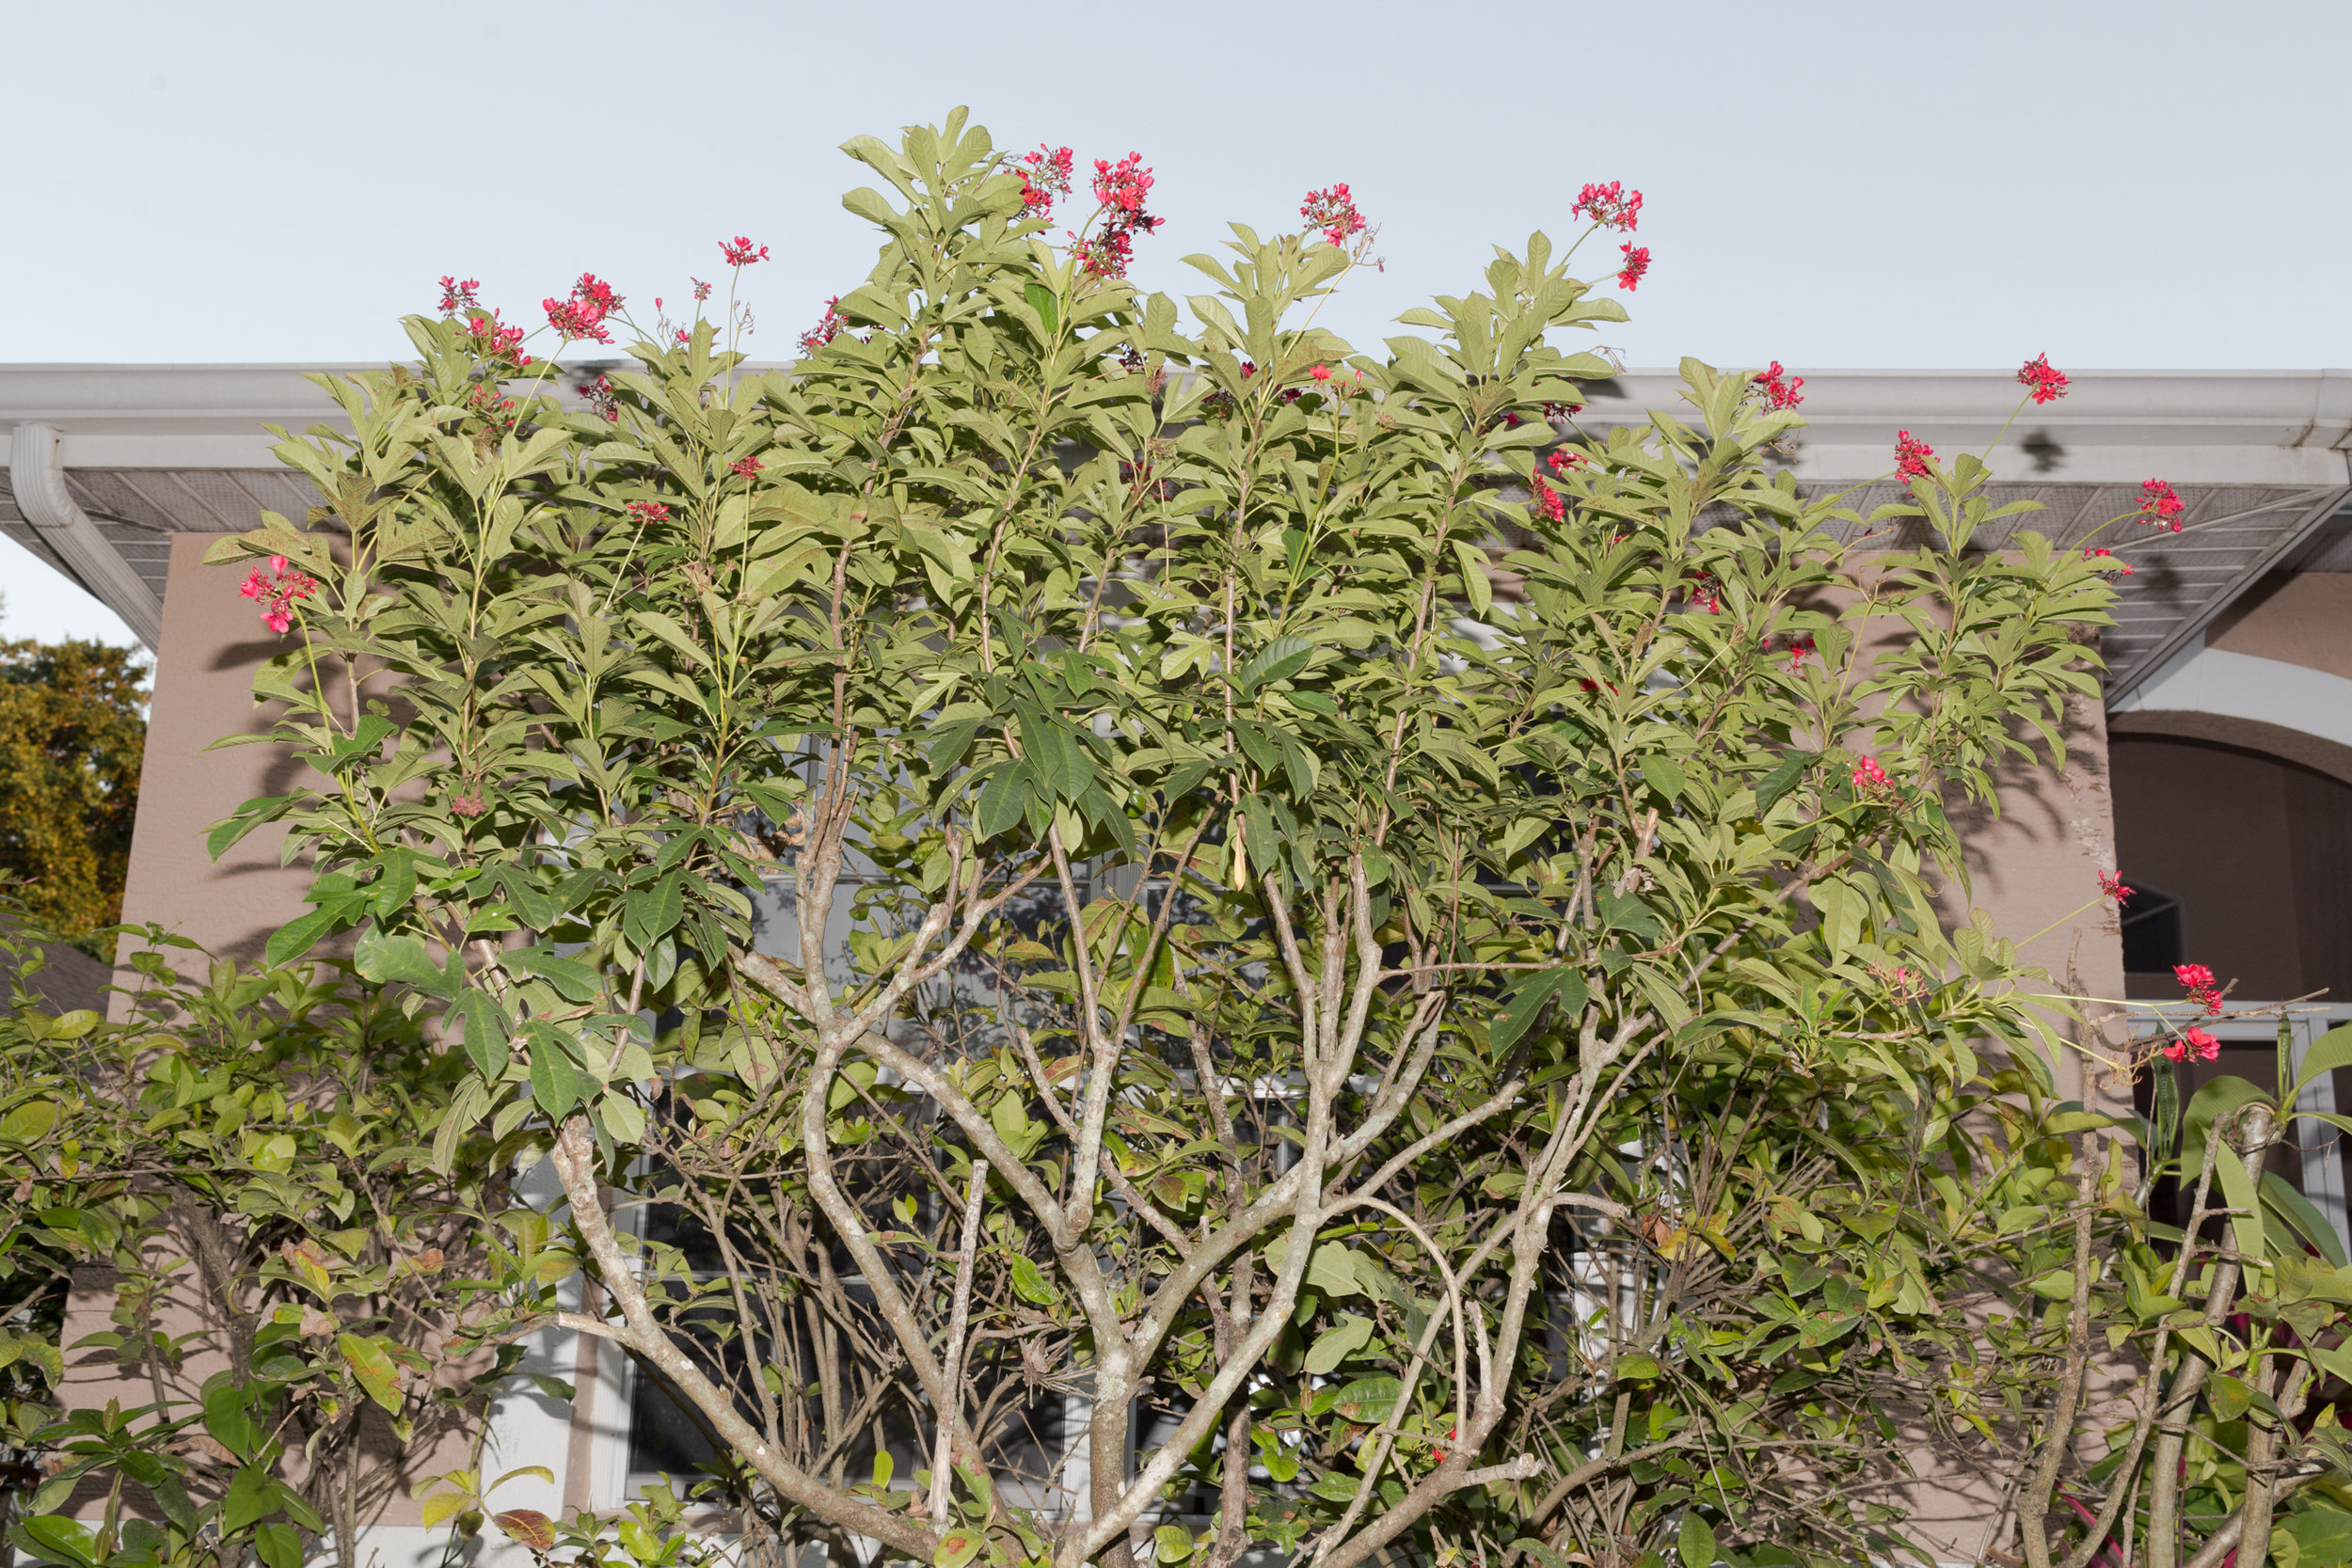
(1323, 919)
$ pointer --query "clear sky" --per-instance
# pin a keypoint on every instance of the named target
(2148, 185)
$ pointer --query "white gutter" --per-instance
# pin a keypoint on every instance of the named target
(38, 479)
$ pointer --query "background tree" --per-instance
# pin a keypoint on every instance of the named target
(72, 732)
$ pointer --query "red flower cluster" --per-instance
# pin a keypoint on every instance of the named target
(493, 342)
(1547, 500)
(582, 315)
(1779, 387)
(2048, 385)
(1869, 776)
(746, 467)
(648, 512)
(456, 296)
(1565, 461)
(279, 592)
(1046, 175)
(466, 806)
(741, 252)
(1636, 264)
(1332, 210)
(2160, 505)
(2198, 981)
(1911, 457)
(1121, 187)
(2205, 1045)
(1706, 592)
(488, 402)
(2111, 886)
(2115, 567)
(1561, 413)
(1799, 647)
(1609, 206)
(598, 394)
(828, 327)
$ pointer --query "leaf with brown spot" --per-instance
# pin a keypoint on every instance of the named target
(529, 1525)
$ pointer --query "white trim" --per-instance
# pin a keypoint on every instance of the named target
(2200, 679)
(36, 477)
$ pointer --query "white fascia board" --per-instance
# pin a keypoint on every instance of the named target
(166, 416)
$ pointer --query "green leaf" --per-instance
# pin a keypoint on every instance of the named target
(1664, 777)
(28, 1121)
(958, 1547)
(2237, 1188)
(558, 1081)
(278, 1546)
(1332, 1271)
(1278, 661)
(2303, 1217)
(400, 960)
(573, 980)
(1172, 1543)
(229, 1416)
(1003, 801)
(1369, 1399)
(367, 1358)
(56, 1539)
(486, 1032)
(1042, 300)
(1519, 1010)
(1696, 1543)
(1780, 780)
(1030, 1284)
(1338, 1342)
(254, 1495)
(302, 933)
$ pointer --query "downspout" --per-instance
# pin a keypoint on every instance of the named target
(37, 478)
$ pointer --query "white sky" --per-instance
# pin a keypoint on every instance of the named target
(2149, 184)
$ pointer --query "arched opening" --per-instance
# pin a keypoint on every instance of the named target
(2242, 861)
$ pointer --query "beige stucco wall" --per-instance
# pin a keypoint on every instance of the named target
(2303, 619)
(212, 641)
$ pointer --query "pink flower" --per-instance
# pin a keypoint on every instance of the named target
(1321, 372)
(1121, 187)
(1636, 264)
(1706, 592)
(1609, 207)
(494, 342)
(1799, 647)
(253, 587)
(1911, 457)
(1332, 210)
(1045, 177)
(582, 316)
(456, 296)
(1779, 389)
(1869, 775)
(598, 394)
(2048, 385)
(276, 618)
(647, 512)
(2111, 886)
(739, 252)
(2205, 1045)
(828, 327)
(747, 467)
(1565, 461)
(278, 593)
(1547, 501)
(2199, 982)
(2115, 565)
(2160, 505)
(466, 806)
